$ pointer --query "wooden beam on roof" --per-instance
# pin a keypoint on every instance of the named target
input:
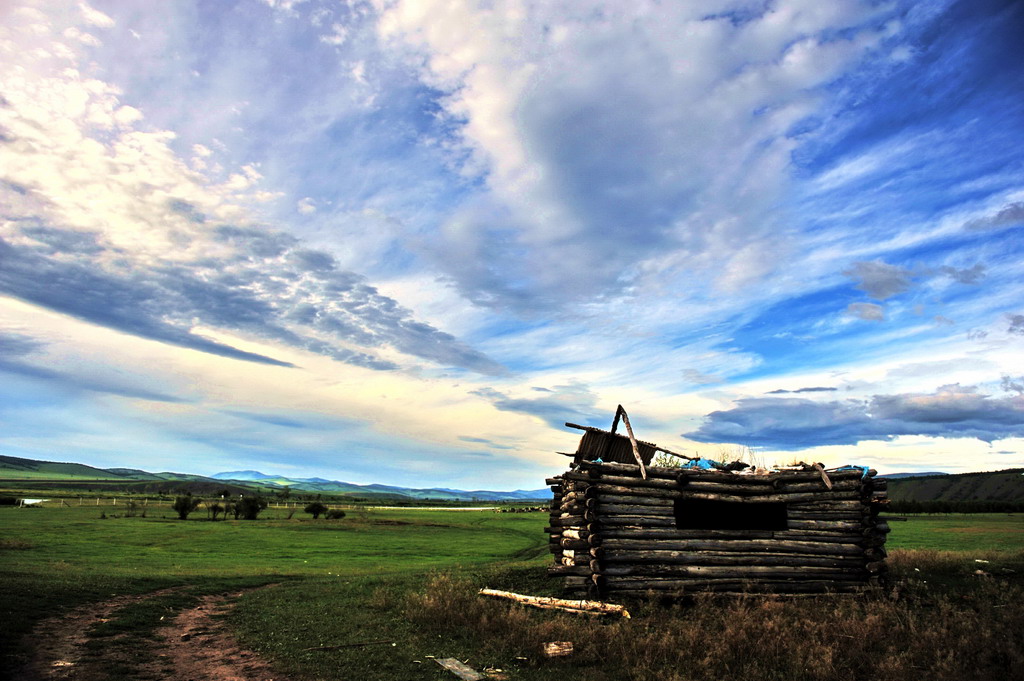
(602, 430)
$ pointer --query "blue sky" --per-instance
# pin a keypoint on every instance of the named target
(404, 241)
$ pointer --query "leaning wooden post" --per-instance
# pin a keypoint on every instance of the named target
(608, 441)
(632, 441)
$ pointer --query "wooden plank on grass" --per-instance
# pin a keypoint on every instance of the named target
(460, 670)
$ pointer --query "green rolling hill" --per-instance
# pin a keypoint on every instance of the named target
(996, 486)
(13, 468)
(134, 474)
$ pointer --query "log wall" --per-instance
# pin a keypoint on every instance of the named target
(613, 532)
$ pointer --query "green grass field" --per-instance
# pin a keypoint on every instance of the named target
(362, 543)
(410, 576)
(959, 532)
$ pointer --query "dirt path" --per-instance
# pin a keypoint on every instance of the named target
(58, 643)
(199, 647)
(194, 646)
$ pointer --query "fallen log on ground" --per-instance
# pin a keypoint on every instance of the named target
(580, 607)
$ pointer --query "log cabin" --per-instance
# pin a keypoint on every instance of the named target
(621, 526)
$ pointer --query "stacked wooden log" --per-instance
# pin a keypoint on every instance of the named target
(614, 532)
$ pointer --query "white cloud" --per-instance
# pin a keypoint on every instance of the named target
(73, 33)
(94, 16)
(107, 223)
(127, 115)
(603, 179)
(337, 36)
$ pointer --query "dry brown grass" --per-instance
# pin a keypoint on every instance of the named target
(941, 621)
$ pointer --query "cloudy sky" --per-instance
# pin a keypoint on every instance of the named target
(403, 241)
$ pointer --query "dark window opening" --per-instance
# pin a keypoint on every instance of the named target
(730, 515)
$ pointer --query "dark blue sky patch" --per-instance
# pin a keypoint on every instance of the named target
(963, 63)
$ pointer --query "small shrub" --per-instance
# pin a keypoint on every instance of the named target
(662, 460)
(335, 514)
(216, 510)
(184, 505)
(316, 509)
(8, 501)
(250, 507)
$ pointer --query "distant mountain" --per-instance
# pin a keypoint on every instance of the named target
(378, 491)
(900, 476)
(242, 475)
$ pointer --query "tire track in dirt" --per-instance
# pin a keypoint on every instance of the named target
(200, 648)
(58, 643)
(195, 646)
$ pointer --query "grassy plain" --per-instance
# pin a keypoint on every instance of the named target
(55, 557)
(410, 577)
(958, 532)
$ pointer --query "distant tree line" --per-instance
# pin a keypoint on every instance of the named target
(955, 506)
(246, 507)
